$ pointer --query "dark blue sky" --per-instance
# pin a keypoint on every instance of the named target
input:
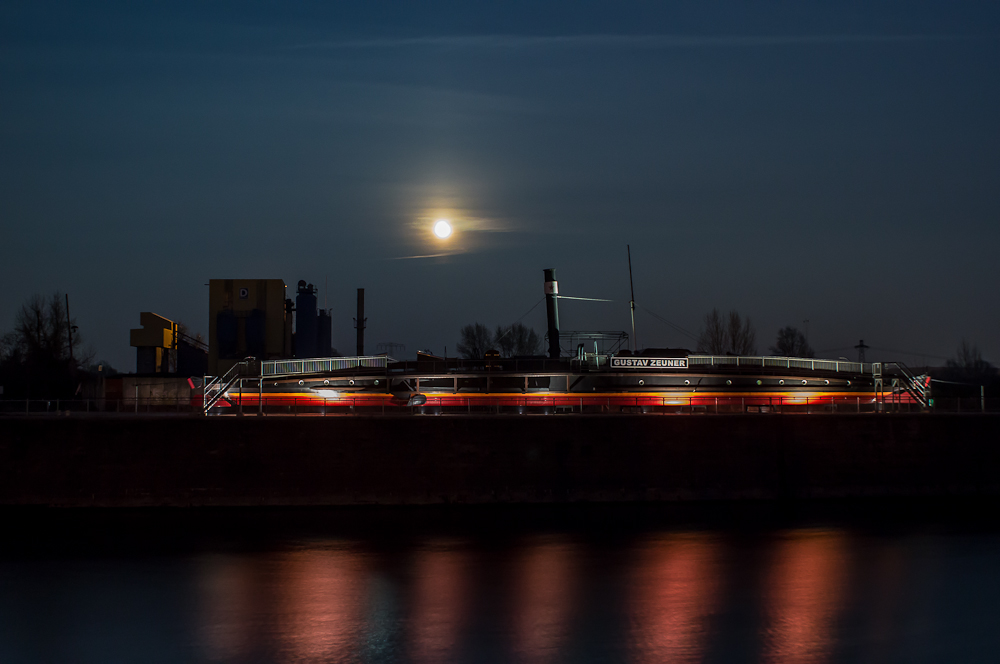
(825, 161)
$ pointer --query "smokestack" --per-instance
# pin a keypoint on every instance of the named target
(552, 309)
(306, 323)
(360, 321)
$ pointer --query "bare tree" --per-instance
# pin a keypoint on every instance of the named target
(516, 340)
(476, 340)
(41, 331)
(791, 343)
(526, 340)
(969, 362)
(503, 341)
(185, 334)
(9, 349)
(733, 334)
(713, 337)
(35, 357)
(742, 336)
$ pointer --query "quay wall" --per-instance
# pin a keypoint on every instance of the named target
(196, 461)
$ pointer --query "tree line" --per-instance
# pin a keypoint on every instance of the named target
(721, 334)
(515, 340)
(734, 334)
(43, 356)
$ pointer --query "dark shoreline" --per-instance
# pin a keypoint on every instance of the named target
(203, 462)
(40, 532)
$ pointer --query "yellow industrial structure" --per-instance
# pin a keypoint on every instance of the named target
(155, 344)
(247, 317)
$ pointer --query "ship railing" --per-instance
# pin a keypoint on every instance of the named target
(919, 386)
(272, 368)
(214, 388)
(595, 360)
(540, 365)
(837, 366)
(322, 364)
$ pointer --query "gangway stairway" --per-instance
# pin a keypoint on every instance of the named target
(918, 387)
(215, 388)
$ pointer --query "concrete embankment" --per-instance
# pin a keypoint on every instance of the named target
(486, 459)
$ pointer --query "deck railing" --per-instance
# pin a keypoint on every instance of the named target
(600, 362)
(839, 366)
(321, 364)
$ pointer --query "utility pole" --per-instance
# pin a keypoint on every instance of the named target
(360, 321)
(635, 343)
(69, 330)
(861, 347)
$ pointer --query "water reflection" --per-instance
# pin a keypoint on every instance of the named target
(791, 597)
(304, 604)
(803, 594)
(227, 601)
(675, 588)
(544, 589)
(882, 592)
(439, 601)
(321, 594)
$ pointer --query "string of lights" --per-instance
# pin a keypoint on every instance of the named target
(676, 327)
(884, 350)
(519, 319)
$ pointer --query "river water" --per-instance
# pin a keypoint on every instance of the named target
(914, 583)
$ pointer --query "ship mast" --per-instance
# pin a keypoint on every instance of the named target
(635, 345)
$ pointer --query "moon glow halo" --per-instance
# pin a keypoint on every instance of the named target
(442, 229)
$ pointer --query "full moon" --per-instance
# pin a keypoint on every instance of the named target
(442, 229)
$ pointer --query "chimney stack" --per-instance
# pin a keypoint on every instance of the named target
(552, 309)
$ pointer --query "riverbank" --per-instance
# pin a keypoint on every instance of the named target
(192, 461)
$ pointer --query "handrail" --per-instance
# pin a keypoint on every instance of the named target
(764, 361)
(221, 384)
(321, 364)
(193, 341)
(911, 383)
(208, 384)
(275, 368)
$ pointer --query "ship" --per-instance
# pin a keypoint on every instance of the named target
(666, 381)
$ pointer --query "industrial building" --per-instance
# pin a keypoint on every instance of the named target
(247, 317)
(253, 318)
(162, 348)
(312, 329)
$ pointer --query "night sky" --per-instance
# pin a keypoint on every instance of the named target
(830, 162)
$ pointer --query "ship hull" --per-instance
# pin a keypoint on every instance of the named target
(721, 389)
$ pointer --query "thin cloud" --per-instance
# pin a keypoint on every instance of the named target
(406, 258)
(619, 41)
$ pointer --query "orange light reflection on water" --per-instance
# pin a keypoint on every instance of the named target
(675, 589)
(320, 594)
(804, 592)
(543, 599)
(439, 597)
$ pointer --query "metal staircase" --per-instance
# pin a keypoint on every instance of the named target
(214, 388)
(919, 387)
